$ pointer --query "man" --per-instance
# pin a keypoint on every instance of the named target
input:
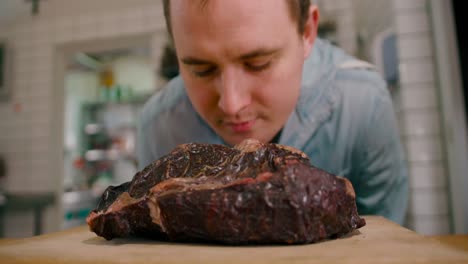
(256, 69)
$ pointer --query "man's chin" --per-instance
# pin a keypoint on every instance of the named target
(232, 141)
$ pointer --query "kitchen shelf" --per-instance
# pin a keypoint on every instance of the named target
(107, 139)
(94, 155)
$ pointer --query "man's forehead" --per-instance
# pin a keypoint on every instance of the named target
(235, 29)
(198, 4)
(204, 5)
(186, 15)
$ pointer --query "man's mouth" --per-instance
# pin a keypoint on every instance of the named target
(241, 127)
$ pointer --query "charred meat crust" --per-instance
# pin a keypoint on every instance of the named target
(252, 193)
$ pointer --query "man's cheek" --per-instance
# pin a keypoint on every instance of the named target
(205, 100)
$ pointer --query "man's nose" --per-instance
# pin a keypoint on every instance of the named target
(233, 92)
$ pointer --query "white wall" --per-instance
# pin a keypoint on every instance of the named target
(31, 126)
(420, 115)
(450, 85)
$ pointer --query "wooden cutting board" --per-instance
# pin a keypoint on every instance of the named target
(380, 241)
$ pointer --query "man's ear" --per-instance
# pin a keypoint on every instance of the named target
(310, 30)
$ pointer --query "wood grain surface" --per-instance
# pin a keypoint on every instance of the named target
(380, 241)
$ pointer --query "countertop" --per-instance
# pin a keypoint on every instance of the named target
(455, 241)
(380, 241)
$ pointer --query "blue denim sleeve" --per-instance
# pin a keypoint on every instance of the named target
(382, 176)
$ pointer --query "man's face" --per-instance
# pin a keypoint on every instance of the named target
(241, 62)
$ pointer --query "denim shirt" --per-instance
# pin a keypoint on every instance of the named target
(344, 121)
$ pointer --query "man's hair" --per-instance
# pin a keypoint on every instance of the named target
(299, 10)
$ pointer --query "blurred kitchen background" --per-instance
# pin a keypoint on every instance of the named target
(75, 74)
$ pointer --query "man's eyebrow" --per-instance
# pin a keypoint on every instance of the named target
(194, 61)
(258, 53)
(249, 55)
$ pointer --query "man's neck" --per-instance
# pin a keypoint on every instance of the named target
(276, 137)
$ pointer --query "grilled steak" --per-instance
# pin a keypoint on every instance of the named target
(252, 193)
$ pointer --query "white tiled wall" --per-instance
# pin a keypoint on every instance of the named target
(420, 123)
(412, 20)
(430, 224)
(422, 96)
(416, 46)
(434, 203)
(427, 176)
(27, 140)
(420, 119)
(416, 70)
(424, 149)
